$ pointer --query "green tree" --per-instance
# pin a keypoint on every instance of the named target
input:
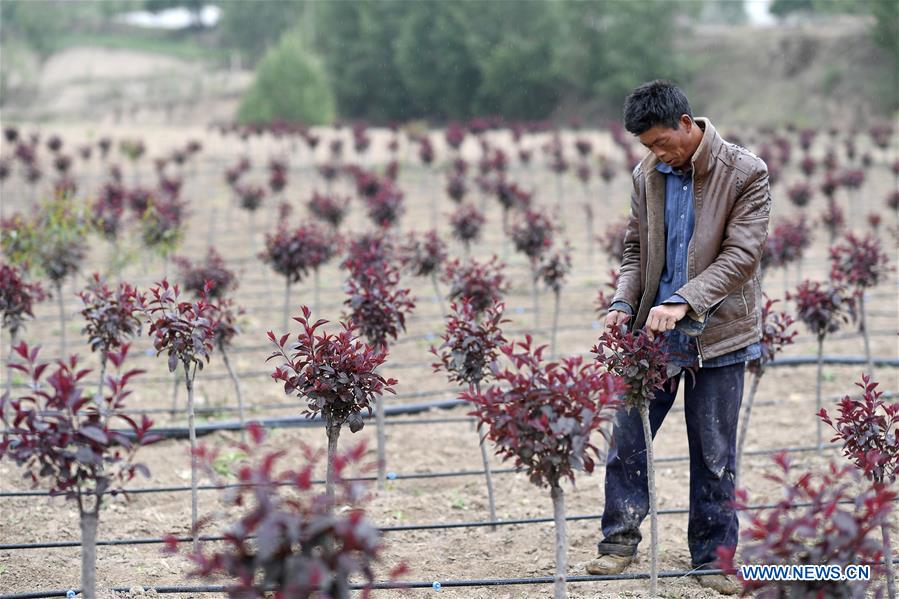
(357, 41)
(290, 85)
(435, 59)
(519, 81)
(627, 58)
(886, 35)
(38, 25)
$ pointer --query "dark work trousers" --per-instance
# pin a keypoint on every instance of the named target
(712, 409)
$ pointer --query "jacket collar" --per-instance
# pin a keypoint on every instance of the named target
(703, 156)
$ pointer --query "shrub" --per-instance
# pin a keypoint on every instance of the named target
(290, 85)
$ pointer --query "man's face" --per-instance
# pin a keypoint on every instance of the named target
(671, 146)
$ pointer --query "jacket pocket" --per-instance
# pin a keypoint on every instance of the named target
(734, 307)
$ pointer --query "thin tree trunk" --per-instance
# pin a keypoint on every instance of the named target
(488, 472)
(175, 386)
(744, 423)
(189, 381)
(558, 497)
(333, 431)
(786, 278)
(559, 195)
(382, 441)
(89, 521)
(382, 454)
(12, 343)
(557, 293)
(819, 442)
(505, 234)
(888, 559)
(439, 295)
(98, 398)
(863, 327)
(62, 321)
(236, 381)
(653, 506)
(536, 298)
(318, 290)
(286, 305)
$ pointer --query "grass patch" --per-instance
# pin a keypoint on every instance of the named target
(165, 43)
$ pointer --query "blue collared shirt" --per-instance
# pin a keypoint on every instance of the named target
(679, 221)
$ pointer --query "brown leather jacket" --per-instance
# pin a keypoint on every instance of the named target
(732, 205)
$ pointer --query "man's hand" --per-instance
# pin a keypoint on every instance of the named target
(663, 318)
(615, 318)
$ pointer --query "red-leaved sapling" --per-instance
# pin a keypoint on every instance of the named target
(775, 336)
(334, 373)
(552, 271)
(532, 235)
(283, 537)
(59, 250)
(58, 432)
(213, 278)
(823, 309)
(424, 258)
(861, 264)
(17, 298)
(377, 306)
(185, 331)
(468, 354)
(293, 253)
(542, 415)
(824, 519)
(641, 361)
(111, 317)
(867, 426)
(481, 283)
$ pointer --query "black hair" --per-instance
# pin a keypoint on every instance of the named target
(658, 102)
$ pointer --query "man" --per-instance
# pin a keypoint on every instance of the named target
(698, 223)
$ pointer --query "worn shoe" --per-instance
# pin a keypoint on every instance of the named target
(612, 558)
(606, 563)
(724, 584)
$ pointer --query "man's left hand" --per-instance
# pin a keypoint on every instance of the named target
(663, 318)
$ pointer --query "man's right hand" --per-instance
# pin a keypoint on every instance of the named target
(615, 318)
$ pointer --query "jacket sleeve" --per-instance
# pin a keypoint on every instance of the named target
(745, 235)
(629, 284)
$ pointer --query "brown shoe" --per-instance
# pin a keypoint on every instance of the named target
(606, 563)
(724, 584)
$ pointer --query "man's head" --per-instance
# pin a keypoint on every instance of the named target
(658, 113)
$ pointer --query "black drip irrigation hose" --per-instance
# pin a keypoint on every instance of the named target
(436, 585)
(412, 476)
(384, 529)
(452, 393)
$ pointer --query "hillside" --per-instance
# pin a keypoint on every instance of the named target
(805, 74)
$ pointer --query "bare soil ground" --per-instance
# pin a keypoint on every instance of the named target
(511, 551)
